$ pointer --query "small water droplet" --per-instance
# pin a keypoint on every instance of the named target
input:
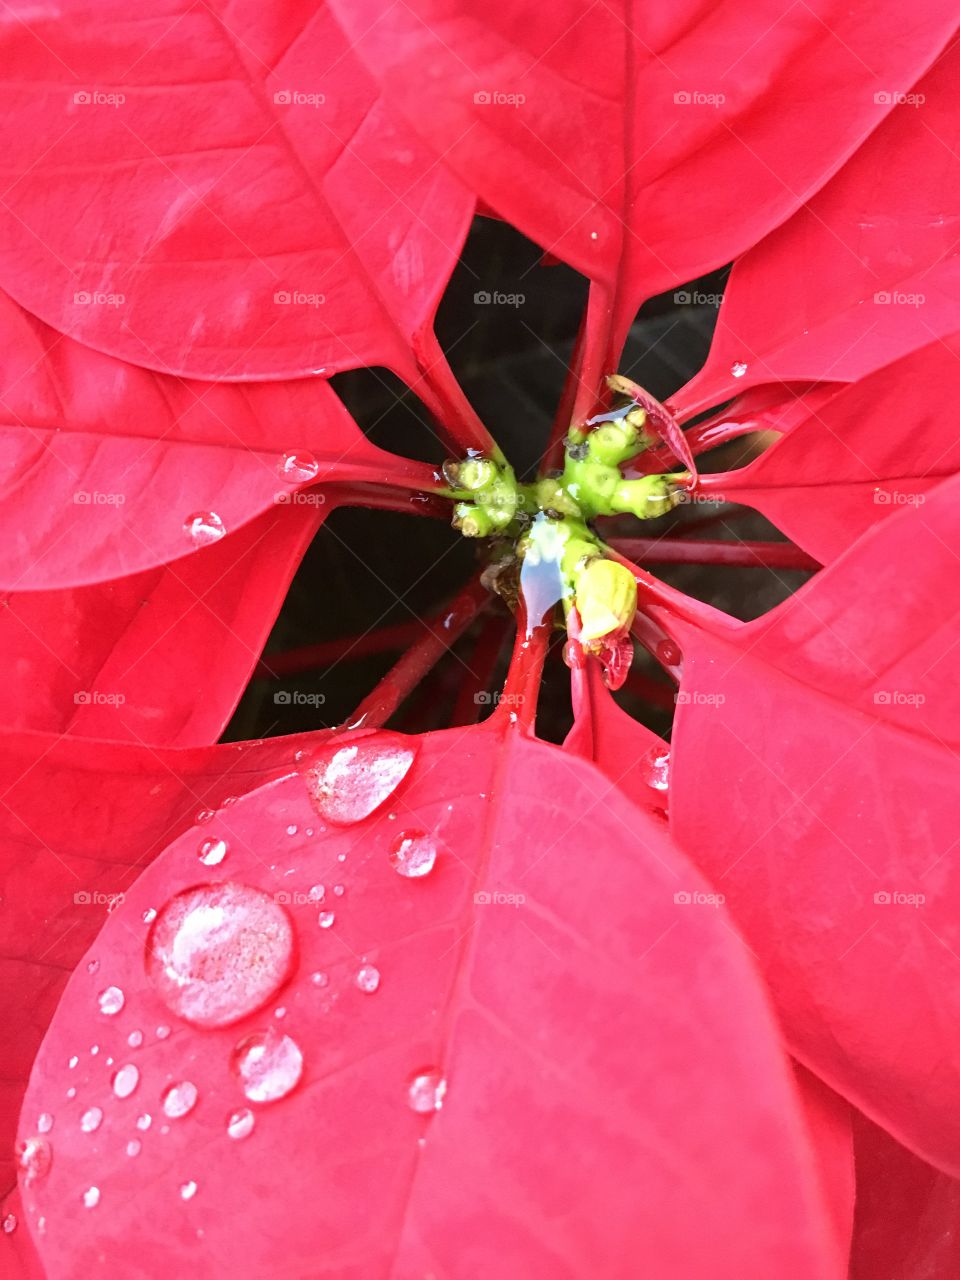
(426, 1091)
(218, 952)
(91, 1120)
(94, 1050)
(212, 852)
(179, 1099)
(594, 235)
(44, 1122)
(316, 893)
(71, 1093)
(203, 527)
(268, 1065)
(135, 1039)
(111, 1001)
(93, 966)
(325, 919)
(297, 466)
(149, 915)
(125, 1080)
(10, 1223)
(413, 854)
(145, 1121)
(188, 1190)
(228, 802)
(162, 1032)
(206, 815)
(658, 768)
(338, 889)
(368, 978)
(240, 1123)
(668, 653)
(34, 1157)
(738, 368)
(319, 979)
(348, 784)
(134, 1147)
(280, 1013)
(91, 1197)
(73, 1062)
(292, 829)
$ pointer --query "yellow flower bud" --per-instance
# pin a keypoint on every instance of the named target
(606, 599)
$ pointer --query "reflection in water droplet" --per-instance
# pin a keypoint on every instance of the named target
(292, 829)
(34, 1157)
(73, 1062)
(125, 1080)
(44, 1122)
(188, 1190)
(338, 890)
(71, 1093)
(228, 801)
(110, 1000)
(738, 368)
(212, 852)
(134, 1147)
(316, 893)
(297, 466)
(206, 815)
(94, 1050)
(426, 1091)
(149, 915)
(658, 768)
(135, 1039)
(413, 854)
(93, 966)
(144, 1122)
(240, 1123)
(203, 527)
(267, 1064)
(616, 661)
(325, 919)
(217, 952)
(179, 1099)
(350, 783)
(10, 1223)
(91, 1120)
(368, 978)
(668, 653)
(319, 979)
(91, 1197)
(162, 1032)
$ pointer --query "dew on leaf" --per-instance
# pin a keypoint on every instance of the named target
(316, 893)
(319, 979)
(125, 1080)
(217, 952)
(149, 915)
(297, 466)
(179, 1099)
(162, 1032)
(135, 1039)
(206, 815)
(91, 1120)
(93, 966)
(10, 1223)
(188, 1190)
(292, 829)
(413, 854)
(212, 852)
(144, 1121)
(368, 978)
(240, 1123)
(73, 1062)
(268, 1065)
(325, 919)
(738, 368)
(111, 1001)
(203, 527)
(348, 784)
(91, 1197)
(34, 1157)
(657, 764)
(44, 1122)
(134, 1147)
(426, 1091)
(338, 890)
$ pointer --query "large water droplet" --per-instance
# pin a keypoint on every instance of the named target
(240, 1123)
(203, 527)
(91, 1197)
(658, 768)
(212, 852)
(426, 1091)
(267, 1064)
(34, 1157)
(91, 1120)
(125, 1080)
(217, 952)
(297, 466)
(738, 368)
(616, 661)
(179, 1099)
(351, 782)
(325, 919)
(111, 1001)
(413, 854)
(368, 978)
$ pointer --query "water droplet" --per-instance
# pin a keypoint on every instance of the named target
(206, 815)
(125, 1080)
(268, 1065)
(368, 978)
(94, 1050)
(413, 854)
(212, 852)
(240, 1123)
(297, 466)
(280, 1013)
(348, 784)
(44, 1122)
(316, 893)
(162, 1032)
(338, 889)
(149, 915)
(228, 801)
(111, 1001)
(292, 829)
(541, 581)
(179, 1099)
(668, 653)
(91, 1120)
(73, 1062)
(34, 1157)
(203, 527)
(319, 979)
(144, 1122)
(341, 857)
(574, 656)
(217, 952)
(91, 1197)
(188, 1190)
(658, 768)
(325, 919)
(738, 368)
(93, 966)
(10, 1223)
(134, 1147)
(71, 1093)
(135, 1039)
(426, 1091)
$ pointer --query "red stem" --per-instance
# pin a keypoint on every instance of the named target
(518, 702)
(440, 391)
(312, 656)
(752, 555)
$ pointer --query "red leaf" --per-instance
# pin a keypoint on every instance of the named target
(132, 659)
(647, 145)
(642, 1098)
(814, 770)
(232, 176)
(865, 273)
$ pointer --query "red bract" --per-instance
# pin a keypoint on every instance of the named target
(375, 1003)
